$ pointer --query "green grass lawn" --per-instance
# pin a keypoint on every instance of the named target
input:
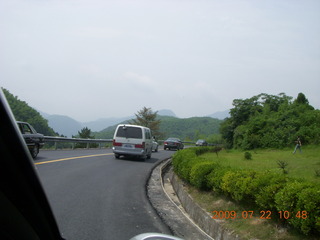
(300, 165)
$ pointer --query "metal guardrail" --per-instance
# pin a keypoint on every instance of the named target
(75, 140)
(90, 140)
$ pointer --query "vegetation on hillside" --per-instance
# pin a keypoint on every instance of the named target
(23, 112)
(192, 128)
(187, 129)
(270, 121)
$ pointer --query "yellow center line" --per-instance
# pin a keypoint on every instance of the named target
(65, 159)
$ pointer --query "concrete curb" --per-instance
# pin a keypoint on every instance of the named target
(168, 211)
(185, 218)
(201, 217)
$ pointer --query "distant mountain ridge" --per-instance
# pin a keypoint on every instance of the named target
(69, 127)
(220, 115)
(64, 125)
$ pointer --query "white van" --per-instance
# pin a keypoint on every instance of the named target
(132, 140)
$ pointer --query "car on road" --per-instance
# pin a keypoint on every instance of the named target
(34, 140)
(155, 145)
(201, 142)
(132, 140)
(173, 143)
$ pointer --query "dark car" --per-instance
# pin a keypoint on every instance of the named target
(201, 142)
(173, 143)
(33, 139)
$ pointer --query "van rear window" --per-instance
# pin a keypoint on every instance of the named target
(129, 132)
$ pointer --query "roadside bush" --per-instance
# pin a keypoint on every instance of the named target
(180, 159)
(268, 190)
(238, 184)
(309, 223)
(184, 160)
(185, 169)
(287, 198)
(268, 184)
(214, 179)
(199, 172)
(201, 150)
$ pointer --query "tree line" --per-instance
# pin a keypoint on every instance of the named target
(271, 121)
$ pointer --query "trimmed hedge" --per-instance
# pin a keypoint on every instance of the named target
(267, 190)
(199, 173)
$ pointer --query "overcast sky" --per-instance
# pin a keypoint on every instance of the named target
(91, 59)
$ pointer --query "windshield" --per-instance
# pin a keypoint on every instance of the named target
(129, 132)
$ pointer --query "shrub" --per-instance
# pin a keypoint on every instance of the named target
(267, 185)
(247, 155)
(201, 150)
(308, 201)
(186, 168)
(292, 198)
(180, 160)
(238, 184)
(282, 165)
(199, 172)
(287, 198)
(214, 179)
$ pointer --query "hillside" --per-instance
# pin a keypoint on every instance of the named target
(183, 128)
(23, 112)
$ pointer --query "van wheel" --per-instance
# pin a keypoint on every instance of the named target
(117, 156)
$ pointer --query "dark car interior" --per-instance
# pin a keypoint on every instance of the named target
(25, 212)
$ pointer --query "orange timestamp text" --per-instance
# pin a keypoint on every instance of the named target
(263, 214)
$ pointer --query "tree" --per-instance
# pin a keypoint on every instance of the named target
(268, 121)
(147, 118)
(301, 99)
(85, 133)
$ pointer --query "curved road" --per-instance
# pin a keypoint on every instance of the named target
(95, 196)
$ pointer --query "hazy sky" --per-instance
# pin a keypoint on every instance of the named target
(91, 59)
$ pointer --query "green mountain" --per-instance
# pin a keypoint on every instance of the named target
(23, 112)
(183, 128)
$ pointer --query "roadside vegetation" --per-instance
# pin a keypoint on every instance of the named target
(256, 175)
(271, 121)
(288, 201)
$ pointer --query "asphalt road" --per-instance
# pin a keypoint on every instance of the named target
(95, 196)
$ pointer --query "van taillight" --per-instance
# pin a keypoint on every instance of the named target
(116, 144)
(140, 145)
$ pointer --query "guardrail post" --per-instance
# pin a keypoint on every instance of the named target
(87, 145)
(99, 145)
(55, 145)
(72, 144)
